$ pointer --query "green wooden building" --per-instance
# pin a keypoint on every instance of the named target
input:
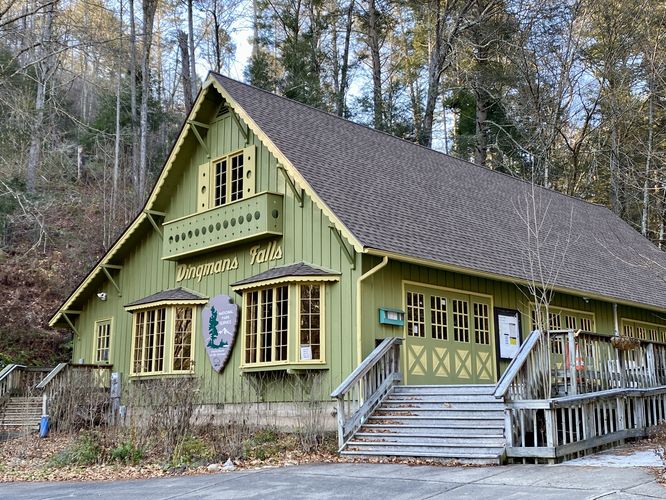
(329, 237)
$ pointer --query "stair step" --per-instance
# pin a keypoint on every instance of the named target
(418, 448)
(471, 421)
(437, 412)
(443, 398)
(481, 458)
(445, 389)
(425, 439)
(438, 431)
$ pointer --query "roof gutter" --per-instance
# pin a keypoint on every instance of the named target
(504, 278)
(359, 282)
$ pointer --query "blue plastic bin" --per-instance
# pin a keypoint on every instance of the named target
(44, 426)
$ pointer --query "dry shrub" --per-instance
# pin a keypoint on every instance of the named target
(310, 410)
(160, 412)
(79, 399)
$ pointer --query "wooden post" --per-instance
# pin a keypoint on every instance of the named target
(44, 404)
(621, 413)
(340, 405)
(651, 366)
(572, 361)
(508, 428)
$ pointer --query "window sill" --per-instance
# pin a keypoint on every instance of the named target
(288, 367)
(148, 376)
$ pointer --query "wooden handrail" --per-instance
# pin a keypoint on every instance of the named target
(51, 375)
(516, 364)
(366, 365)
(366, 387)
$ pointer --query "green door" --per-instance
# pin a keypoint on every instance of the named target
(448, 338)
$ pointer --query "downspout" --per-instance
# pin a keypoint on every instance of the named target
(359, 281)
(617, 325)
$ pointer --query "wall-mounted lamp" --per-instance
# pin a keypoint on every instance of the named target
(586, 300)
(101, 296)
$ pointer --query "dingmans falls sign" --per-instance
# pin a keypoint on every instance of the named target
(220, 318)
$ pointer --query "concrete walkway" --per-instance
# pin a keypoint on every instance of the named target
(372, 481)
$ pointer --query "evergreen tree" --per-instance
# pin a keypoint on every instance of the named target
(212, 328)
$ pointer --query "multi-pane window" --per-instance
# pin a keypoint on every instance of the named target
(102, 341)
(266, 325)
(481, 323)
(460, 320)
(563, 319)
(644, 331)
(438, 317)
(182, 339)
(228, 177)
(153, 342)
(149, 330)
(310, 322)
(415, 314)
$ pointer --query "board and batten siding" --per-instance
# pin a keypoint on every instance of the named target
(384, 289)
(306, 237)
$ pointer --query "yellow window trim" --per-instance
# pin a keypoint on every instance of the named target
(322, 325)
(95, 332)
(169, 335)
(211, 178)
(293, 337)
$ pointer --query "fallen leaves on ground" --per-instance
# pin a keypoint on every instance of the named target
(26, 458)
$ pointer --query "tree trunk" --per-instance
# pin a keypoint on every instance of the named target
(116, 149)
(648, 165)
(43, 72)
(255, 29)
(80, 163)
(373, 45)
(34, 154)
(181, 37)
(149, 8)
(133, 110)
(342, 90)
(192, 58)
(615, 195)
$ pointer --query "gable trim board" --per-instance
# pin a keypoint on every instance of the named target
(361, 234)
(143, 215)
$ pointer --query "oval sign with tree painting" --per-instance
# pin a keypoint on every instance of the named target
(219, 325)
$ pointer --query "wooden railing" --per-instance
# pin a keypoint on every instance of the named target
(563, 428)
(366, 387)
(569, 392)
(68, 382)
(19, 379)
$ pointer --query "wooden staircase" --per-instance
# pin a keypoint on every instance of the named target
(20, 411)
(452, 422)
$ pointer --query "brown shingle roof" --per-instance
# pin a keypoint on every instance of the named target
(173, 294)
(399, 197)
(298, 269)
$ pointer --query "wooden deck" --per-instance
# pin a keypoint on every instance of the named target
(566, 394)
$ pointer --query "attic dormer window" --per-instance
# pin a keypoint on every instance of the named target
(228, 179)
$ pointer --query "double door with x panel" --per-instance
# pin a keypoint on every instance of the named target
(449, 337)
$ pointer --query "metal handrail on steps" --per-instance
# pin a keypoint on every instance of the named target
(366, 387)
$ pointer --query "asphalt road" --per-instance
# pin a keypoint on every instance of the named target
(372, 481)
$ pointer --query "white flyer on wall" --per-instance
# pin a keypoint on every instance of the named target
(509, 334)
